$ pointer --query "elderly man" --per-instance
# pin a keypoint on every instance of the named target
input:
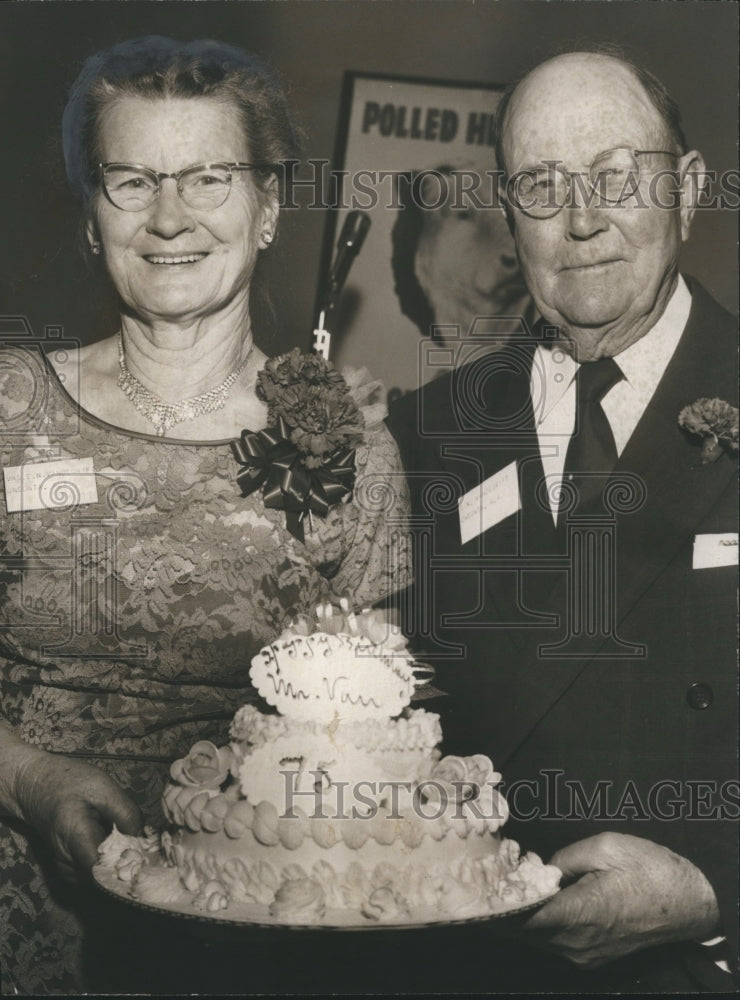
(576, 584)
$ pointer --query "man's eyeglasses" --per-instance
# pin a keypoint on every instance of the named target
(612, 177)
(132, 188)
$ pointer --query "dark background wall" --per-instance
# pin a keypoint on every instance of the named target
(692, 46)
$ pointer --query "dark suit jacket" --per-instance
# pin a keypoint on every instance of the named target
(620, 716)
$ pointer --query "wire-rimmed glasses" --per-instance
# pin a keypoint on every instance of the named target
(133, 187)
(612, 177)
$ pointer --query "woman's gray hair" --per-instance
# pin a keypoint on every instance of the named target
(159, 67)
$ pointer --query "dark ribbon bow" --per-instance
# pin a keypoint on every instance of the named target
(270, 461)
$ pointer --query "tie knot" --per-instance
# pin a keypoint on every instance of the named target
(595, 379)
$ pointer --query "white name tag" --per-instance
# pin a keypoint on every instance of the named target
(715, 550)
(489, 503)
(65, 482)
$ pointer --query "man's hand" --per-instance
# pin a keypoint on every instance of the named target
(629, 894)
(73, 806)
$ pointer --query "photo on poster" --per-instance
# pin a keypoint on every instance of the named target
(438, 267)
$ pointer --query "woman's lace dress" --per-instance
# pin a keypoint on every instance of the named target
(128, 618)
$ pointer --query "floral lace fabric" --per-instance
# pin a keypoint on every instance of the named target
(128, 618)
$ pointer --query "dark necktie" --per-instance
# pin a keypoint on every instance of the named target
(592, 453)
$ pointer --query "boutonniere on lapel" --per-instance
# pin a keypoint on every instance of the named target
(304, 460)
(715, 422)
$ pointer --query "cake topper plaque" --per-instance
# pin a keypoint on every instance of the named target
(320, 677)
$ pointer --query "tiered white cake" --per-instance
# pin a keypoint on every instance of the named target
(337, 810)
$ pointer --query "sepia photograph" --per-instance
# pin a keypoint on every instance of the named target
(369, 498)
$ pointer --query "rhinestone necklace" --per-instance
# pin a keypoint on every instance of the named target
(165, 415)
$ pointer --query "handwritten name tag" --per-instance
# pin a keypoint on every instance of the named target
(715, 550)
(489, 503)
(65, 482)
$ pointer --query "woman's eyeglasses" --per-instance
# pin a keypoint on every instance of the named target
(132, 187)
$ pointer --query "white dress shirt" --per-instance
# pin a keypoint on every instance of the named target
(553, 389)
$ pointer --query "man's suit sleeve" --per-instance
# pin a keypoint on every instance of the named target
(402, 422)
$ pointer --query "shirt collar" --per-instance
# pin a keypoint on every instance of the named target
(552, 372)
(642, 363)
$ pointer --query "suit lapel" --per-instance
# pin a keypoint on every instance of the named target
(491, 412)
(520, 689)
(511, 439)
(679, 492)
(531, 532)
(489, 406)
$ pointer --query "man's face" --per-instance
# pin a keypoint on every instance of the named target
(602, 273)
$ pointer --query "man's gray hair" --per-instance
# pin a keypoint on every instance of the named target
(654, 88)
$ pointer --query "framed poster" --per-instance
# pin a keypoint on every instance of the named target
(437, 269)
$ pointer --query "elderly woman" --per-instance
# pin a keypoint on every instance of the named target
(150, 543)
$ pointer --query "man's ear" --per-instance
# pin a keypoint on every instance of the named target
(693, 181)
(505, 206)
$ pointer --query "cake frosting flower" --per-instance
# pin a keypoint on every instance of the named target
(160, 884)
(459, 779)
(115, 845)
(384, 904)
(206, 766)
(252, 728)
(299, 898)
(211, 897)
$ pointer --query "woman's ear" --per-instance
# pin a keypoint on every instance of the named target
(270, 211)
(91, 234)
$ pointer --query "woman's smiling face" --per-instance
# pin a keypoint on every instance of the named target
(169, 262)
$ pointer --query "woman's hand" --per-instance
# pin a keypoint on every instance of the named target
(629, 894)
(72, 805)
